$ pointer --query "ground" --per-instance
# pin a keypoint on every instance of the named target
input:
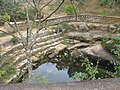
(106, 84)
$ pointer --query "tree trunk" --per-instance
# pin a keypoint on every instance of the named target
(75, 11)
(29, 62)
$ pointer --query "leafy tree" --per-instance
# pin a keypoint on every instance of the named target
(12, 8)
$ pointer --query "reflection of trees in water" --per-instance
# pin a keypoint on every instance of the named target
(72, 61)
(66, 61)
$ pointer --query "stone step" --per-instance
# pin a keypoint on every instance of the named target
(41, 34)
(22, 64)
(12, 49)
(19, 46)
(47, 42)
(22, 56)
(18, 52)
(23, 71)
(45, 32)
(45, 47)
(47, 37)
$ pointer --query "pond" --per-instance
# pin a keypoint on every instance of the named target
(52, 74)
(69, 66)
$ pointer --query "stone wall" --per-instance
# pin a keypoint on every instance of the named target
(70, 18)
(84, 26)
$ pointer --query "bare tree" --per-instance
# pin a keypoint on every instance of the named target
(29, 40)
(76, 5)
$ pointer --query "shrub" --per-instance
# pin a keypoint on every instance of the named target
(69, 9)
(6, 17)
(109, 3)
(104, 12)
(6, 70)
(12, 9)
(113, 46)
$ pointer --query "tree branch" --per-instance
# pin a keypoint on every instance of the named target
(46, 4)
(53, 11)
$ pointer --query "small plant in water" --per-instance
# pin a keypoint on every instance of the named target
(90, 71)
(116, 73)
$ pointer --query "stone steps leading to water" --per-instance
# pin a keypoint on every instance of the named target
(19, 46)
(22, 66)
(18, 49)
(7, 41)
(36, 50)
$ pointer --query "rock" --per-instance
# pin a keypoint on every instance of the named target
(93, 26)
(83, 27)
(60, 47)
(57, 49)
(99, 52)
(81, 36)
(112, 28)
(104, 27)
(79, 45)
(90, 36)
(98, 35)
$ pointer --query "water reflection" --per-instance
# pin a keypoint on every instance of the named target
(52, 74)
(62, 68)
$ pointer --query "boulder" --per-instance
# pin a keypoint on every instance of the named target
(56, 50)
(79, 45)
(97, 51)
(90, 36)
(81, 36)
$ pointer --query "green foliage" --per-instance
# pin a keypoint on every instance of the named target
(109, 3)
(1, 20)
(69, 9)
(104, 12)
(116, 73)
(31, 12)
(12, 9)
(91, 70)
(81, 2)
(117, 28)
(6, 70)
(51, 7)
(113, 46)
(6, 17)
(80, 76)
